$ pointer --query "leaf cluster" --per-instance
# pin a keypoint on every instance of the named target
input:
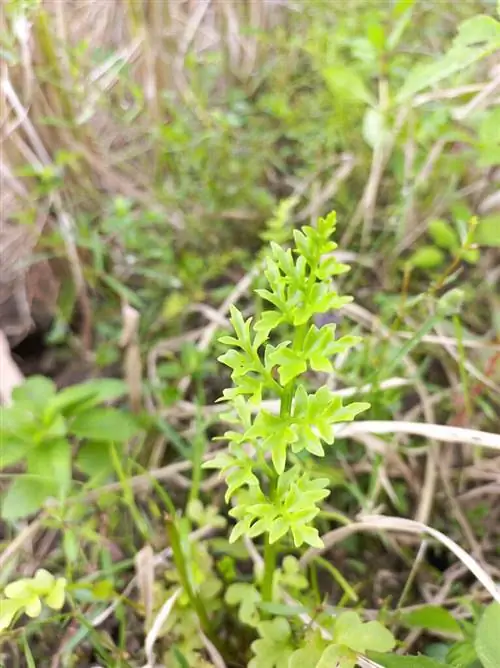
(299, 287)
(42, 426)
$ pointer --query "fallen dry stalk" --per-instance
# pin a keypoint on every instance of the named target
(10, 375)
(398, 524)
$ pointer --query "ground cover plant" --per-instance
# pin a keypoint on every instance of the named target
(169, 177)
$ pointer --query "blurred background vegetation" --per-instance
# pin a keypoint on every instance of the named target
(149, 147)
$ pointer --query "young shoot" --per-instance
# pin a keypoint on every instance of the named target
(272, 492)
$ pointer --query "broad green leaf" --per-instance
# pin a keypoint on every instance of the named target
(428, 74)
(427, 257)
(443, 234)
(396, 661)
(25, 496)
(274, 648)
(461, 654)
(80, 397)
(37, 391)
(104, 424)
(55, 598)
(309, 655)
(94, 459)
(52, 462)
(431, 617)
(346, 82)
(479, 30)
(487, 641)
(8, 610)
(12, 449)
(360, 636)
(247, 598)
(337, 656)
(488, 231)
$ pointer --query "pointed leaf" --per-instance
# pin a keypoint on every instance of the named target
(104, 424)
(488, 637)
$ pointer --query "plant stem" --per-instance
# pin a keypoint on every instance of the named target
(269, 569)
(270, 551)
(180, 563)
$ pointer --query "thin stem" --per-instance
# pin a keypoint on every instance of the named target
(269, 570)
(270, 551)
(180, 563)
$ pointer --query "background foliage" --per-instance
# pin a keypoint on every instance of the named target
(150, 150)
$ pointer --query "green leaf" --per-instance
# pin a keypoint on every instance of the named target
(81, 397)
(428, 74)
(310, 654)
(461, 654)
(36, 391)
(360, 636)
(52, 462)
(488, 231)
(282, 610)
(247, 598)
(427, 257)
(487, 641)
(443, 234)
(431, 617)
(338, 657)
(8, 610)
(273, 649)
(13, 449)
(290, 363)
(396, 661)
(94, 459)
(104, 424)
(479, 30)
(346, 82)
(25, 496)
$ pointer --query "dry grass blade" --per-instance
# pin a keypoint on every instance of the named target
(439, 432)
(132, 366)
(411, 526)
(384, 523)
(158, 623)
(10, 375)
(145, 572)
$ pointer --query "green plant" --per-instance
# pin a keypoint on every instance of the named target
(27, 595)
(42, 427)
(281, 498)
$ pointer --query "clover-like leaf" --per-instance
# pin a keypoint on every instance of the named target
(337, 656)
(247, 598)
(361, 636)
(310, 654)
(273, 649)
(8, 610)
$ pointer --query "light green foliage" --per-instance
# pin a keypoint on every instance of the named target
(443, 234)
(274, 647)
(182, 626)
(488, 232)
(299, 287)
(487, 642)
(350, 636)
(477, 38)
(28, 594)
(432, 617)
(38, 429)
(248, 597)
